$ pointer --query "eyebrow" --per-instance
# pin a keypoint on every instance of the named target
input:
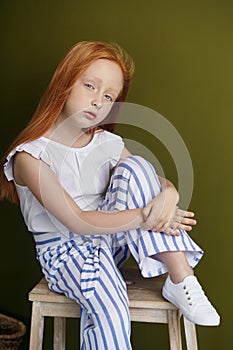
(100, 80)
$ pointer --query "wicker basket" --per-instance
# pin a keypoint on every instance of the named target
(11, 332)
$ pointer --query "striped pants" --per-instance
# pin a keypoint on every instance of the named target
(86, 268)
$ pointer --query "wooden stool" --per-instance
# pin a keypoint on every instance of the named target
(145, 301)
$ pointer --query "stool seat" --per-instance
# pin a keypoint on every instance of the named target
(146, 304)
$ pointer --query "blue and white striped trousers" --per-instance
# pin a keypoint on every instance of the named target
(86, 268)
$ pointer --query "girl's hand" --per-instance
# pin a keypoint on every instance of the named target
(161, 210)
(182, 220)
(162, 214)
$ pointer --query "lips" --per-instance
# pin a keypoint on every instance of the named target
(90, 115)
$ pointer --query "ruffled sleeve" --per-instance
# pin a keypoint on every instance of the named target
(36, 148)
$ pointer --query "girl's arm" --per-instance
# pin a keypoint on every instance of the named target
(42, 182)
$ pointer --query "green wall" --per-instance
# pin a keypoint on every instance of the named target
(183, 52)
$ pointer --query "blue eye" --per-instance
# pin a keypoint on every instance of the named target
(89, 86)
(109, 98)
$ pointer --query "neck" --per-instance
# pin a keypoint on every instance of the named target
(65, 132)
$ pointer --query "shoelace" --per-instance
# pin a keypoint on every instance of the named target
(195, 294)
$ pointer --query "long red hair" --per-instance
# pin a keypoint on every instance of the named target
(77, 60)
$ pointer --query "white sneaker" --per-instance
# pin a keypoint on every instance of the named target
(189, 297)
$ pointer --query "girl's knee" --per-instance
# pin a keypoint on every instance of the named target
(141, 173)
(137, 164)
(133, 161)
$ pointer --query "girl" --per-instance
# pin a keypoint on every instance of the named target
(58, 169)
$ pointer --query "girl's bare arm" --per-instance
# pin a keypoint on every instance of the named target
(43, 183)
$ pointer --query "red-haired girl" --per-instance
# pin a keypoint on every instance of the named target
(59, 168)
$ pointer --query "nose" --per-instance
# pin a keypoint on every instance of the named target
(97, 103)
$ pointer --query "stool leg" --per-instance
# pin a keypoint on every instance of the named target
(190, 335)
(37, 327)
(59, 333)
(174, 329)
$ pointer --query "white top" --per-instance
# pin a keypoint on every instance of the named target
(83, 172)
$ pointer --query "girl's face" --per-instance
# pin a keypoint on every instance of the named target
(94, 93)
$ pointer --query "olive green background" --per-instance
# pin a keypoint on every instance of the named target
(184, 70)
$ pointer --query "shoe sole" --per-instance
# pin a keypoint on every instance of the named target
(169, 298)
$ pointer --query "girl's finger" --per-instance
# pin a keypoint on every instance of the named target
(184, 213)
(165, 227)
(184, 227)
(172, 232)
(184, 220)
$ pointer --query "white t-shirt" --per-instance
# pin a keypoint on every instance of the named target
(83, 172)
